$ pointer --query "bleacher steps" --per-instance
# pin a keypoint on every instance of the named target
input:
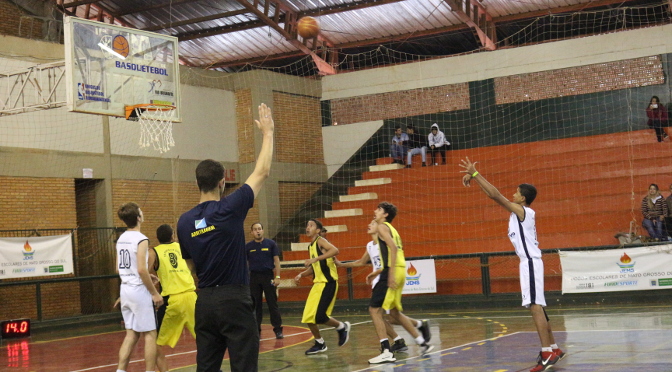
(385, 167)
(343, 213)
(373, 182)
(336, 228)
(357, 197)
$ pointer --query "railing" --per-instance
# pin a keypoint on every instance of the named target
(486, 274)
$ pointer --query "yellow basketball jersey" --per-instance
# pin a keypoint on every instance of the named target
(325, 270)
(385, 250)
(173, 271)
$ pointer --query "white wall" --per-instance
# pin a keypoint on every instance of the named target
(342, 141)
(504, 62)
(208, 128)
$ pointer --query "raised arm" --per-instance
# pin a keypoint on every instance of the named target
(263, 166)
(489, 190)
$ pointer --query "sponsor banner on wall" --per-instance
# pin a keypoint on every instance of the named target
(615, 270)
(35, 256)
(420, 277)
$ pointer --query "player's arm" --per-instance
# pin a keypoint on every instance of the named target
(489, 189)
(385, 235)
(143, 271)
(373, 275)
(153, 265)
(327, 249)
(263, 166)
(359, 263)
(304, 273)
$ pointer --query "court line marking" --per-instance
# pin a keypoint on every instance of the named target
(442, 350)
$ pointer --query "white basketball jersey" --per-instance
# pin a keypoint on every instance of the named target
(374, 255)
(523, 235)
(127, 257)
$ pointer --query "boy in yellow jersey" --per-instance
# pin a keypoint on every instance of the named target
(322, 295)
(177, 289)
(372, 254)
(387, 292)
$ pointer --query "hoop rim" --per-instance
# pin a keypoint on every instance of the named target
(131, 110)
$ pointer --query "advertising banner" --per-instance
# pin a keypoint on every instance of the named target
(35, 256)
(617, 270)
(420, 277)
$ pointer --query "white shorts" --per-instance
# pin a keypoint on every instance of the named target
(137, 308)
(532, 282)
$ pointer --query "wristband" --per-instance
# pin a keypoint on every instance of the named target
(277, 277)
(474, 175)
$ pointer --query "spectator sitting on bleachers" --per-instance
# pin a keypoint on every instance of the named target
(398, 146)
(668, 217)
(654, 210)
(437, 143)
(657, 115)
(416, 145)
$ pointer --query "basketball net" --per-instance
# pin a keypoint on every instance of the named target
(156, 125)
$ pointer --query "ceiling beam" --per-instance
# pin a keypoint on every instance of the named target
(253, 24)
(475, 15)
(157, 6)
(288, 31)
(74, 4)
(562, 9)
(196, 20)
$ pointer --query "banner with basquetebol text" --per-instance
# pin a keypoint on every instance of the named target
(35, 256)
(630, 269)
(420, 277)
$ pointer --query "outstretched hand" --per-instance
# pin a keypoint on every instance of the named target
(469, 168)
(265, 122)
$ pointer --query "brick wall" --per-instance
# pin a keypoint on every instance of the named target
(574, 81)
(165, 201)
(292, 195)
(60, 300)
(244, 124)
(37, 203)
(400, 104)
(298, 129)
(10, 18)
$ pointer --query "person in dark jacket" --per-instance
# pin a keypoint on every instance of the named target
(657, 115)
(416, 145)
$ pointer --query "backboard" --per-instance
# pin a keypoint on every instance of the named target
(109, 67)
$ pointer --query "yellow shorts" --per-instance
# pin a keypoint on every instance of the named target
(393, 296)
(320, 303)
(180, 312)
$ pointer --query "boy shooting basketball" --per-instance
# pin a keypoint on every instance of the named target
(322, 296)
(523, 235)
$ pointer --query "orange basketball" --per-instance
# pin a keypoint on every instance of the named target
(120, 45)
(308, 27)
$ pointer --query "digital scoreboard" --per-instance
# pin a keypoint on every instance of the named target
(17, 328)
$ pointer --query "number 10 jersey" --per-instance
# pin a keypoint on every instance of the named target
(127, 257)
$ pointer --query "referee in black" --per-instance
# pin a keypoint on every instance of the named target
(264, 261)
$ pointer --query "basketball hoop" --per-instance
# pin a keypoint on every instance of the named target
(156, 124)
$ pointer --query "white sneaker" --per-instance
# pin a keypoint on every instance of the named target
(425, 349)
(384, 357)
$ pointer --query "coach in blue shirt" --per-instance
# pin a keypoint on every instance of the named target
(212, 240)
(263, 257)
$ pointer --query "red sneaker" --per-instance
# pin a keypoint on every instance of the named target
(559, 353)
(545, 361)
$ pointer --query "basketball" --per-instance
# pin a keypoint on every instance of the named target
(308, 27)
(120, 45)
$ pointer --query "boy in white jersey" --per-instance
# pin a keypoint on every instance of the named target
(523, 235)
(137, 293)
(372, 255)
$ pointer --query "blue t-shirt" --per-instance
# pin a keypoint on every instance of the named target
(213, 236)
(260, 255)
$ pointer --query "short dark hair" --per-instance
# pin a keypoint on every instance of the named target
(317, 223)
(411, 127)
(164, 233)
(129, 213)
(397, 127)
(208, 174)
(528, 191)
(390, 209)
(256, 223)
(654, 185)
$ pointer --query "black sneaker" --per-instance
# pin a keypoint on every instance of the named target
(317, 348)
(344, 334)
(424, 330)
(279, 335)
(426, 348)
(399, 346)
